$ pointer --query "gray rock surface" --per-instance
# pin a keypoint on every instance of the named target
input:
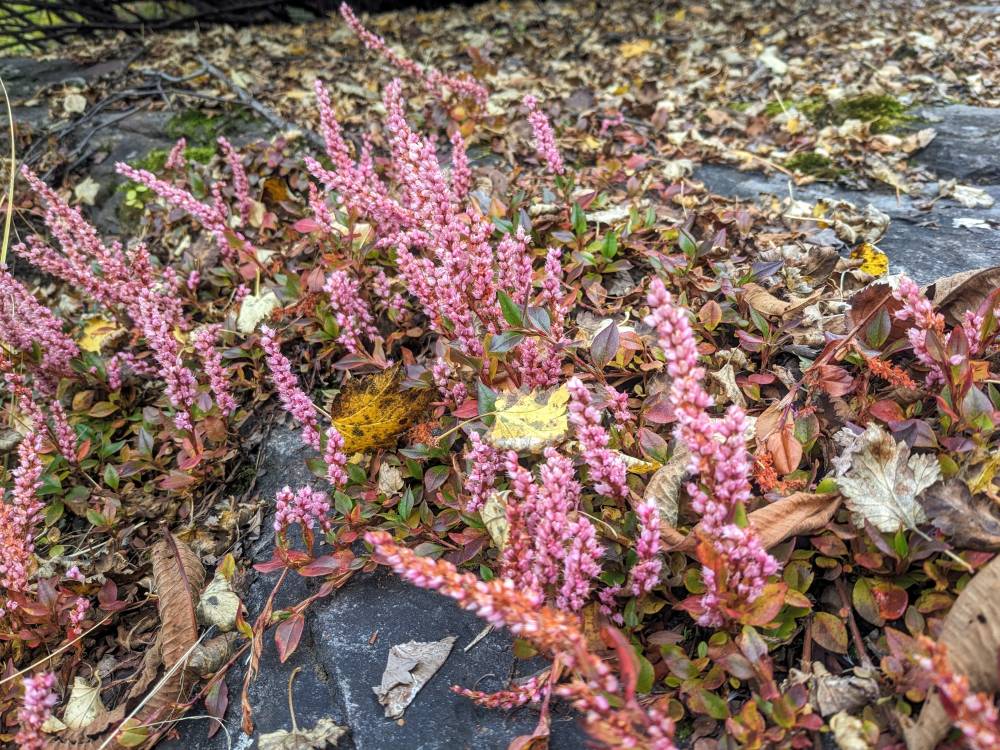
(344, 649)
(925, 243)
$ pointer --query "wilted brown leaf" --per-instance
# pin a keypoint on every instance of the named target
(969, 521)
(971, 633)
(955, 295)
(325, 733)
(766, 303)
(373, 411)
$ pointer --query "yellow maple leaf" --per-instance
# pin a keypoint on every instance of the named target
(639, 47)
(873, 260)
(529, 420)
(96, 332)
(373, 411)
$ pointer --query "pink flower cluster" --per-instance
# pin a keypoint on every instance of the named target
(76, 616)
(545, 138)
(974, 714)
(241, 185)
(19, 517)
(645, 574)
(353, 316)
(176, 158)
(484, 465)
(918, 308)
(36, 707)
(433, 80)
(218, 376)
(532, 690)
(115, 277)
(718, 457)
(211, 216)
(607, 470)
(514, 265)
(24, 322)
(306, 507)
(293, 398)
(618, 406)
(335, 458)
(550, 543)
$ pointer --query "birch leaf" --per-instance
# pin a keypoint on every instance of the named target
(884, 480)
(409, 668)
(529, 420)
(84, 704)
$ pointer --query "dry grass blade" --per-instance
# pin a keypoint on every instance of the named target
(8, 218)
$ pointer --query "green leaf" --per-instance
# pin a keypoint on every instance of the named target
(111, 477)
(504, 342)
(579, 220)
(644, 684)
(511, 310)
(687, 244)
(714, 706)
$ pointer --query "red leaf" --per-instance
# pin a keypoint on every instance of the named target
(784, 448)
(835, 380)
(891, 599)
(887, 411)
(467, 410)
(216, 703)
(628, 665)
(605, 345)
(765, 607)
(287, 635)
(328, 564)
(305, 226)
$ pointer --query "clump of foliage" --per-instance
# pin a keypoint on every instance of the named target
(474, 399)
(812, 163)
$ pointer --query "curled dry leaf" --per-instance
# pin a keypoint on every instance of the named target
(969, 521)
(971, 633)
(325, 733)
(212, 654)
(529, 420)
(494, 515)
(409, 668)
(84, 704)
(766, 303)
(219, 605)
(373, 411)
(831, 694)
(884, 481)
(726, 378)
(665, 485)
(849, 732)
(955, 295)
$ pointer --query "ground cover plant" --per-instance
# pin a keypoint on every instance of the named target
(728, 483)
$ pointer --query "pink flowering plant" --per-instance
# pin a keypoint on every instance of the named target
(580, 399)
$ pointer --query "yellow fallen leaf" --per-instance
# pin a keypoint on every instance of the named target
(639, 47)
(529, 420)
(873, 260)
(84, 704)
(373, 411)
(96, 332)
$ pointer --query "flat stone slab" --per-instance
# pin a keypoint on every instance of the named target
(925, 245)
(967, 145)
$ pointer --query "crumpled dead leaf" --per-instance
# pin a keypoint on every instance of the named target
(326, 732)
(968, 521)
(84, 704)
(766, 303)
(219, 605)
(726, 377)
(390, 479)
(254, 309)
(373, 411)
(409, 668)
(665, 484)
(849, 732)
(971, 633)
(884, 480)
(959, 293)
(966, 195)
(529, 420)
(831, 694)
(853, 225)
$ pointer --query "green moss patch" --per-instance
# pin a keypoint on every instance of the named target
(811, 163)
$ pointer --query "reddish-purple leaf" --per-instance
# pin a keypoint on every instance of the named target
(287, 635)
(216, 703)
(605, 345)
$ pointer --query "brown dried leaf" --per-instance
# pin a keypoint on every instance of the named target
(969, 521)
(666, 483)
(956, 294)
(372, 412)
(971, 633)
(326, 732)
(766, 303)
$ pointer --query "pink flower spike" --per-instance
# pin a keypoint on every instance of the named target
(176, 158)
(36, 707)
(351, 310)
(607, 470)
(241, 185)
(646, 572)
(218, 376)
(295, 401)
(545, 139)
(484, 465)
(306, 507)
(336, 459)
